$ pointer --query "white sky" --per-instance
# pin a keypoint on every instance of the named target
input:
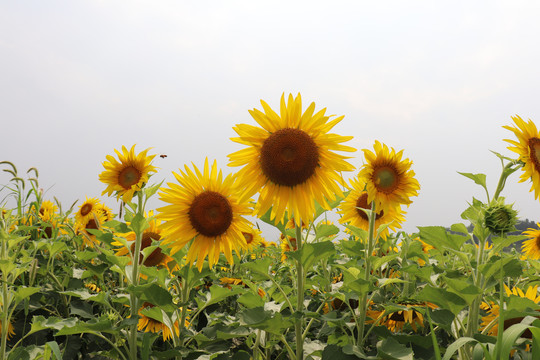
(437, 79)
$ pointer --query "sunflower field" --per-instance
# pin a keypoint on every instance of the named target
(196, 279)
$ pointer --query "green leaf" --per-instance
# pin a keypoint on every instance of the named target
(139, 224)
(218, 293)
(154, 294)
(259, 318)
(53, 345)
(499, 243)
(452, 348)
(479, 179)
(390, 349)
(325, 230)
(512, 267)
(360, 234)
(443, 318)
(460, 228)
(87, 327)
(313, 252)
(24, 292)
(85, 295)
(251, 300)
(150, 191)
(462, 288)
(280, 226)
(445, 299)
(439, 238)
(511, 334)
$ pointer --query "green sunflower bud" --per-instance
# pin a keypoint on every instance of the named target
(499, 217)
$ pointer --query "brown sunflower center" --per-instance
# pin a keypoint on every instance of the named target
(91, 225)
(128, 177)
(156, 257)
(289, 157)
(86, 208)
(537, 240)
(248, 236)
(534, 151)
(210, 214)
(385, 179)
(361, 202)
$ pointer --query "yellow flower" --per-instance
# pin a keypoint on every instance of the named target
(490, 322)
(93, 287)
(11, 330)
(357, 199)
(156, 258)
(396, 320)
(253, 238)
(149, 324)
(127, 175)
(287, 245)
(389, 180)
(531, 247)
(47, 211)
(290, 159)
(528, 149)
(87, 210)
(207, 209)
(93, 223)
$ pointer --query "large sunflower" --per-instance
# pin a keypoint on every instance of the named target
(490, 323)
(290, 159)
(389, 180)
(528, 149)
(128, 174)
(357, 199)
(207, 209)
(531, 247)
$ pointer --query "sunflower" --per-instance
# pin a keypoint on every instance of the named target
(531, 247)
(47, 211)
(206, 208)
(127, 175)
(389, 180)
(351, 209)
(253, 238)
(290, 159)
(287, 244)
(490, 323)
(11, 330)
(528, 149)
(87, 210)
(156, 258)
(395, 321)
(149, 324)
(93, 223)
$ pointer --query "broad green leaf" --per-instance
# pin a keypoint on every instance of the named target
(53, 345)
(326, 230)
(85, 295)
(499, 243)
(139, 224)
(439, 238)
(378, 261)
(218, 293)
(390, 349)
(511, 334)
(154, 294)
(460, 228)
(87, 327)
(462, 288)
(259, 318)
(313, 252)
(250, 300)
(445, 299)
(24, 292)
(361, 234)
(479, 179)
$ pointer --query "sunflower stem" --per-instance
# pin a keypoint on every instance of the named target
(300, 294)
(134, 300)
(363, 303)
(184, 298)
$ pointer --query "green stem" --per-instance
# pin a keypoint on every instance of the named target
(300, 294)
(5, 301)
(185, 299)
(134, 300)
(433, 336)
(363, 302)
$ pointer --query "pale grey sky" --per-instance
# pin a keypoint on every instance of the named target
(437, 79)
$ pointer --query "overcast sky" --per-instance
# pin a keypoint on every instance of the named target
(437, 79)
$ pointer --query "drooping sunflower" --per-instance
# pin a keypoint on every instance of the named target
(149, 324)
(357, 199)
(291, 159)
(287, 244)
(531, 247)
(490, 323)
(528, 149)
(397, 320)
(92, 223)
(157, 257)
(128, 174)
(10, 332)
(206, 208)
(390, 182)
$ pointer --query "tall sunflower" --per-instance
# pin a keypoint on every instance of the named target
(206, 208)
(128, 174)
(351, 209)
(528, 149)
(389, 180)
(290, 159)
(149, 324)
(531, 247)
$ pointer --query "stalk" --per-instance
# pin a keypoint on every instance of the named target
(369, 251)
(300, 295)
(5, 302)
(134, 300)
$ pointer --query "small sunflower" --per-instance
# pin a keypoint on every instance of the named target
(47, 211)
(153, 233)
(207, 209)
(127, 175)
(287, 244)
(357, 199)
(290, 159)
(528, 149)
(93, 223)
(11, 330)
(149, 324)
(87, 210)
(253, 238)
(531, 247)
(490, 322)
(389, 180)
